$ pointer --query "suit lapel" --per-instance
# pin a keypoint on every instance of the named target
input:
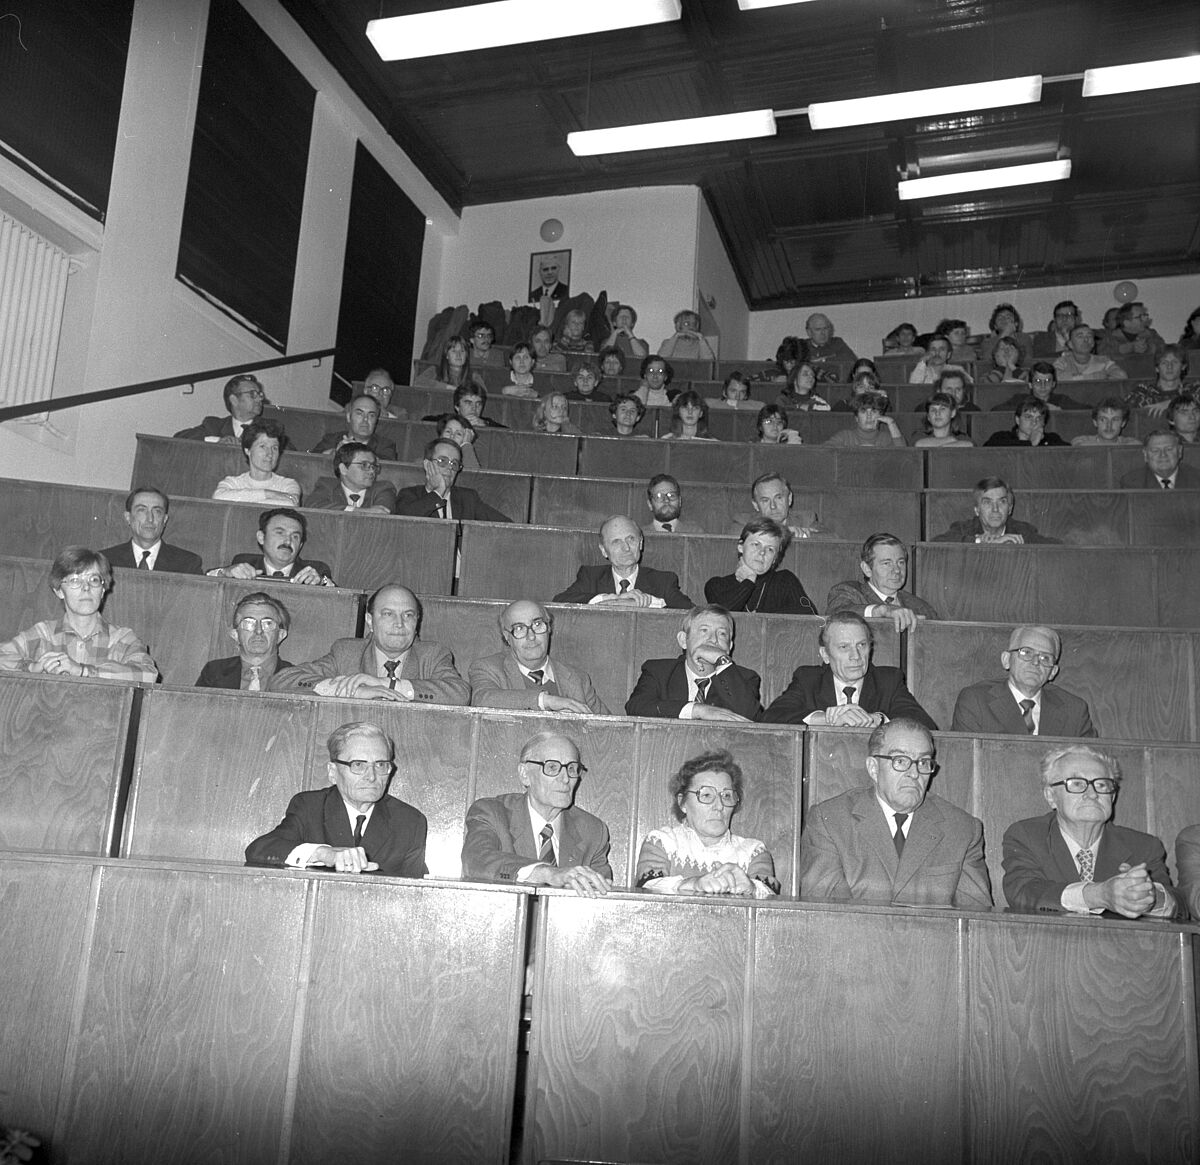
(924, 836)
(868, 696)
(1064, 864)
(1005, 709)
(826, 695)
(366, 664)
(1110, 853)
(873, 827)
(677, 682)
(521, 829)
(337, 823)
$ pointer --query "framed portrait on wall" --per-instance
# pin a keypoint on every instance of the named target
(549, 275)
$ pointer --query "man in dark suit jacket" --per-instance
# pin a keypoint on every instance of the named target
(442, 464)
(879, 593)
(147, 512)
(260, 625)
(1163, 451)
(362, 419)
(1187, 863)
(244, 399)
(1074, 859)
(354, 486)
(352, 826)
(703, 683)
(624, 582)
(282, 533)
(539, 837)
(1000, 705)
(848, 691)
(893, 841)
(993, 521)
(389, 664)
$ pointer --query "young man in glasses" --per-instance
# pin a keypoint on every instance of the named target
(893, 841)
(523, 675)
(1074, 859)
(540, 837)
(439, 497)
(355, 486)
(1024, 703)
(352, 826)
(260, 624)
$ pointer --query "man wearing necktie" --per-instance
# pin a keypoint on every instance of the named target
(439, 497)
(1163, 452)
(282, 533)
(880, 593)
(893, 841)
(147, 512)
(352, 826)
(664, 497)
(1074, 859)
(260, 625)
(355, 486)
(540, 837)
(622, 581)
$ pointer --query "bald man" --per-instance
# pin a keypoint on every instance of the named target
(622, 581)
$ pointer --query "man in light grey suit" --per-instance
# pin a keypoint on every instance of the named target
(539, 837)
(893, 841)
(524, 676)
(880, 592)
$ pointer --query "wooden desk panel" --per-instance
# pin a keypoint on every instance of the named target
(1076, 517)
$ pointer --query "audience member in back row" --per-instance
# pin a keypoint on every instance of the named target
(1005, 326)
(626, 413)
(1079, 361)
(455, 428)
(1109, 419)
(1162, 451)
(1057, 336)
(1156, 395)
(624, 320)
(687, 342)
(1024, 704)
(823, 346)
(664, 499)
(524, 676)
(378, 383)
(352, 826)
(656, 374)
(281, 535)
(260, 624)
(439, 497)
(758, 584)
(483, 355)
(1031, 416)
(389, 664)
(935, 362)
(1183, 415)
(955, 384)
(893, 841)
(880, 592)
(355, 486)
(244, 398)
(81, 642)
(847, 690)
(611, 362)
(689, 418)
(147, 512)
(941, 426)
(1133, 335)
(586, 385)
(553, 416)
(873, 428)
(362, 423)
(1074, 859)
(542, 343)
(521, 362)
(799, 390)
(771, 497)
(772, 425)
(622, 581)
(993, 522)
(453, 368)
(262, 446)
(703, 682)
(735, 394)
(1043, 384)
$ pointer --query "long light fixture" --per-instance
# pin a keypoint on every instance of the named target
(508, 22)
(1146, 75)
(925, 103)
(750, 5)
(984, 179)
(661, 135)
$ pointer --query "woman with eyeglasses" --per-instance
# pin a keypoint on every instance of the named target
(82, 643)
(698, 854)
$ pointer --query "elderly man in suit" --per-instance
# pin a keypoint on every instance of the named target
(1024, 704)
(362, 420)
(281, 535)
(847, 690)
(523, 675)
(355, 486)
(1074, 859)
(147, 512)
(244, 399)
(260, 625)
(703, 683)
(539, 837)
(893, 841)
(389, 664)
(439, 497)
(1163, 452)
(880, 592)
(352, 826)
(623, 581)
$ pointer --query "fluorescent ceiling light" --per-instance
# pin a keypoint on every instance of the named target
(984, 179)
(749, 5)
(1147, 75)
(924, 103)
(661, 135)
(508, 22)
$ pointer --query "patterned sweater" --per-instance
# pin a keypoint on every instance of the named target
(675, 852)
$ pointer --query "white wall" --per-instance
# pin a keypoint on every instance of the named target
(717, 287)
(863, 325)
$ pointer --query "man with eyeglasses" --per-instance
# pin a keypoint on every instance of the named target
(281, 535)
(82, 643)
(1024, 704)
(355, 487)
(665, 500)
(523, 675)
(892, 841)
(352, 827)
(362, 421)
(1133, 336)
(260, 624)
(1162, 452)
(439, 497)
(244, 398)
(540, 837)
(389, 664)
(1074, 859)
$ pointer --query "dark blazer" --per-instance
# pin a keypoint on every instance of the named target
(429, 666)
(1009, 438)
(209, 427)
(662, 690)
(847, 852)
(170, 557)
(327, 495)
(499, 840)
(256, 561)
(812, 690)
(598, 580)
(1187, 866)
(776, 592)
(990, 707)
(497, 682)
(1038, 866)
(857, 596)
(227, 673)
(382, 447)
(415, 501)
(394, 837)
(970, 528)
(1186, 477)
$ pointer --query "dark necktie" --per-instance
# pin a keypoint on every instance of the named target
(898, 837)
(702, 690)
(546, 849)
(537, 675)
(145, 563)
(440, 504)
(890, 600)
(1027, 715)
(848, 692)
(276, 574)
(358, 828)
(354, 500)
(390, 666)
(623, 587)
(1165, 482)
(667, 527)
